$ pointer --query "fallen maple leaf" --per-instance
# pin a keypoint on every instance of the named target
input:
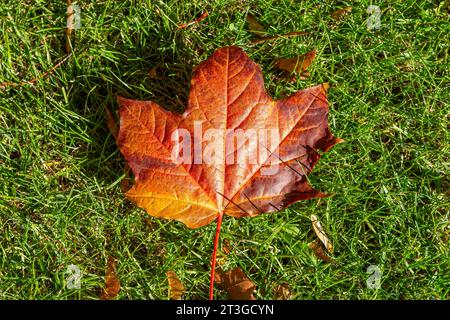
(237, 285)
(176, 287)
(112, 282)
(227, 102)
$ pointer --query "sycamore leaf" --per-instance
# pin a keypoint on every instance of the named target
(237, 285)
(225, 168)
(234, 151)
(112, 282)
(176, 287)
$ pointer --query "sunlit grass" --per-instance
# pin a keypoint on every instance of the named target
(60, 169)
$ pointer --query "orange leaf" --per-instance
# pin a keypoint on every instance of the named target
(234, 151)
(212, 177)
(237, 285)
(176, 288)
(112, 282)
(297, 64)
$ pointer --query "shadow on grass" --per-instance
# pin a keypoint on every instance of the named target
(138, 72)
(134, 72)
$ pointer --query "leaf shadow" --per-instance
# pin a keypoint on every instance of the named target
(126, 70)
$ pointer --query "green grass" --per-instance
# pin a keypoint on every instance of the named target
(60, 169)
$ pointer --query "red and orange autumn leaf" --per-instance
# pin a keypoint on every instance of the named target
(227, 92)
(228, 96)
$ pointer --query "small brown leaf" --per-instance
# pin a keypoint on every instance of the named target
(14, 155)
(112, 282)
(176, 288)
(317, 247)
(321, 234)
(254, 26)
(236, 284)
(297, 65)
(339, 14)
(282, 292)
(152, 74)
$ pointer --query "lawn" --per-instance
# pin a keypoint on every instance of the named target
(61, 202)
